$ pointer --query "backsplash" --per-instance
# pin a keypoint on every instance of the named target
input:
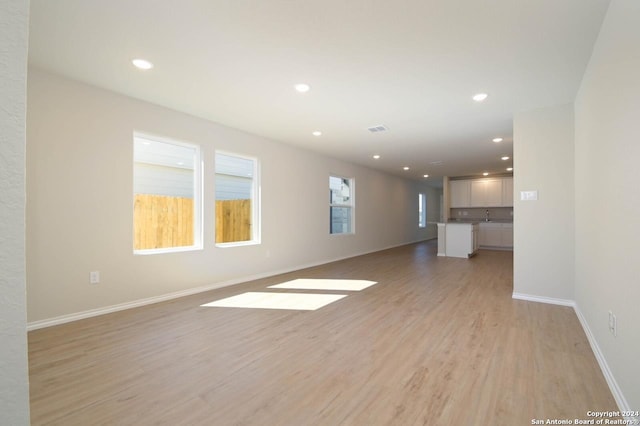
(495, 213)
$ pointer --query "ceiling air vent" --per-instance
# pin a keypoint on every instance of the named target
(376, 129)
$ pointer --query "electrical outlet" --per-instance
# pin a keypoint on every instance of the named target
(614, 329)
(610, 321)
(613, 324)
(94, 277)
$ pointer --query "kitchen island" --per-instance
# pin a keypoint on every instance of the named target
(458, 239)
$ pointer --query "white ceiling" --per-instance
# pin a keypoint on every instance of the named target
(411, 65)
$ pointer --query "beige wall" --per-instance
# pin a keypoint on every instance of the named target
(578, 241)
(607, 176)
(79, 210)
(543, 229)
(14, 380)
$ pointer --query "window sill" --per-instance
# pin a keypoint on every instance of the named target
(166, 250)
(238, 244)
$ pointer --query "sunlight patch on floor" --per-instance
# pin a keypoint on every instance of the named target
(326, 284)
(293, 301)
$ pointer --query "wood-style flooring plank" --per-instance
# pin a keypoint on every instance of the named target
(438, 341)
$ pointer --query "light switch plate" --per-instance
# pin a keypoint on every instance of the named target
(528, 195)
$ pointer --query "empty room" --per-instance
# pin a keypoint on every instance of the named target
(319, 213)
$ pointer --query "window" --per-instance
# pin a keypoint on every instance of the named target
(422, 210)
(340, 205)
(167, 196)
(237, 209)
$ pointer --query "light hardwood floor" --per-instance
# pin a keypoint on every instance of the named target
(439, 341)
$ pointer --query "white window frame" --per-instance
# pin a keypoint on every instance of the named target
(422, 210)
(256, 216)
(198, 172)
(351, 206)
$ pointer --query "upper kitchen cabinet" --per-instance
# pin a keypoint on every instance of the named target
(460, 193)
(507, 192)
(486, 193)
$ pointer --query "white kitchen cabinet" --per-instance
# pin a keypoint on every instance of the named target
(442, 239)
(493, 196)
(507, 235)
(507, 192)
(459, 193)
(475, 229)
(490, 234)
(478, 190)
(461, 239)
(496, 235)
(486, 193)
(490, 192)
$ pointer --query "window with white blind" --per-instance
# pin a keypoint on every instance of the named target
(237, 214)
(167, 205)
(340, 205)
(422, 210)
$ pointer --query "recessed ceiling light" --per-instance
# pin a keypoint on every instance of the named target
(485, 174)
(377, 156)
(317, 133)
(479, 97)
(425, 176)
(302, 87)
(509, 169)
(505, 158)
(142, 64)
(496, 140)
(405, 168)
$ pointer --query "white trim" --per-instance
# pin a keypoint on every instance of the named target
(256, 198)
(621, 401)
(177, 249)
(543, 299)
(602, 362)
(198, 193)
(119, 307)
(351, 206)
(238, 244)
(63, 319)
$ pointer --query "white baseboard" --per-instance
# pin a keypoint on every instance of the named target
(34, 325)
(606, 371)
(49, 322)
(602, 362)
(543, 299)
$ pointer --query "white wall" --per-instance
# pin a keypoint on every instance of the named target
(607, 179)
(79, 203)
(543, 229)
(14, 380)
